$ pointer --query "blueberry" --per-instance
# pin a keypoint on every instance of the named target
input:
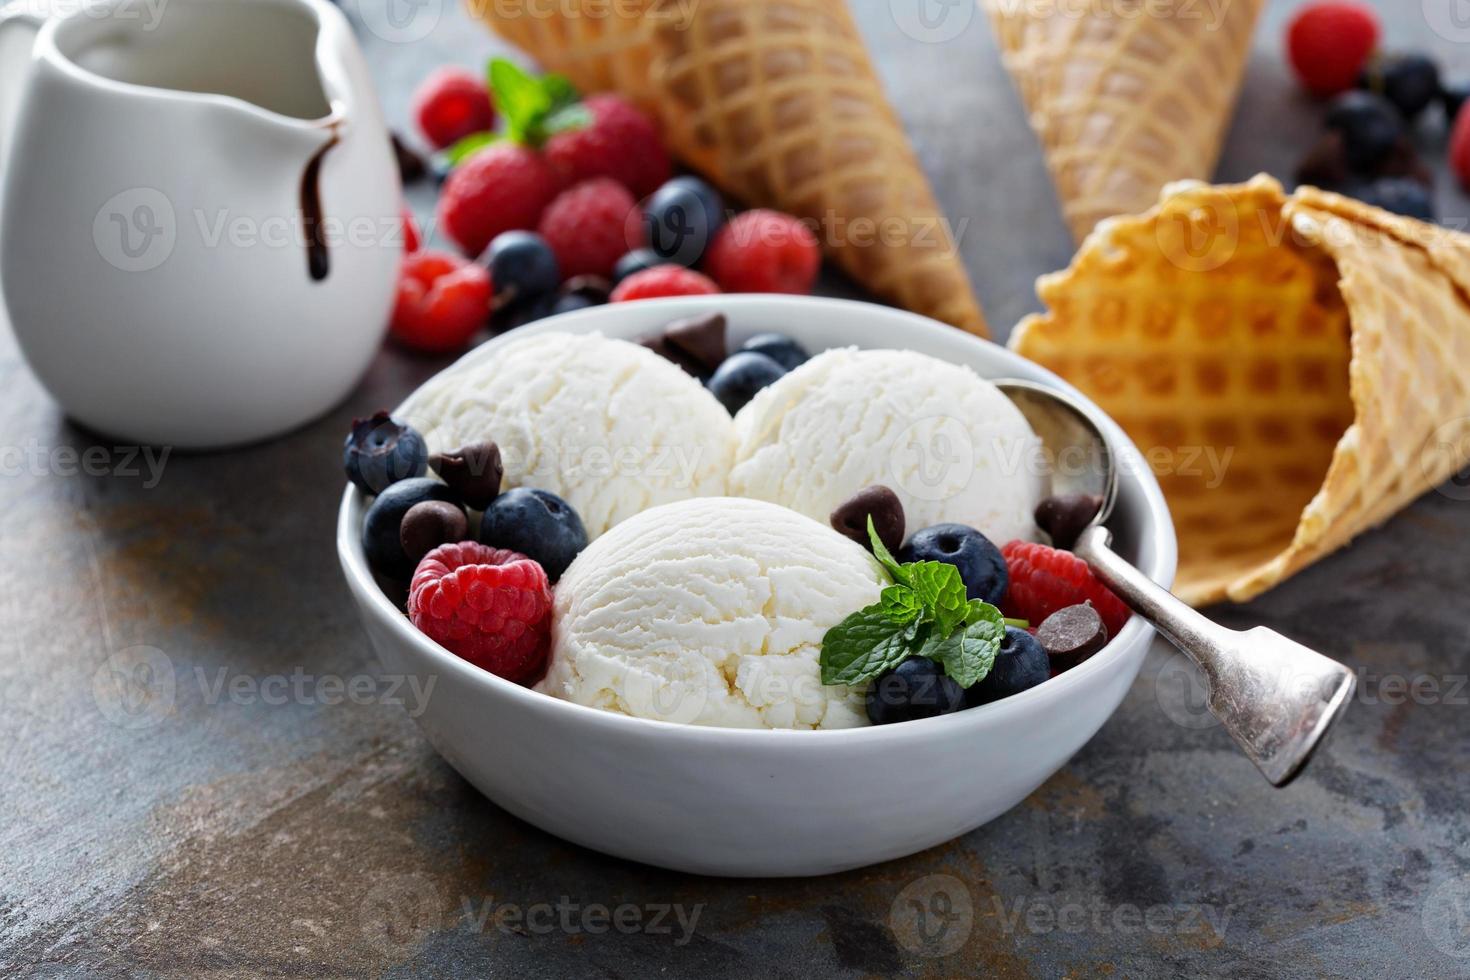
(779, 348)
(681, 219)
(538, 524)
(522, 265)
(384, 522)
(380, 451)
(1370, 128)
(740, 376)
(981, 565)
(1409, 81)
(636, 261)
(917, 688)
(580, 292)
(1400, 195)
(1453, 96)
(1022, 663)
(518, 313)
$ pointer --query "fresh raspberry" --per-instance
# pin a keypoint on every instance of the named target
(1460, 146)
(486, 605)
(442, 300)
(1045, 579)
(663, 280)
(588, 227)
(764, 252)
(411, 237)
(1329, 42)
(450, 104)
(622, 143)
(503, 187)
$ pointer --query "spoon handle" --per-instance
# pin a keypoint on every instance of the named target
(1275, 697)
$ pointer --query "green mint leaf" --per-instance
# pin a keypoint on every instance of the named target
(940, 588)
(898, 572)
(864, 645)
(900, 604)
(565, 119)
(968, 654)
(519, 97)
(1020, 624)
(468, 147)
(559, 92)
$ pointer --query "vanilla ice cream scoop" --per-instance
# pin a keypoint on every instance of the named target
(608, 425)
(944, 439)
(710, 612)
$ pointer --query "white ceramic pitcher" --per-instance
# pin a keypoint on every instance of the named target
(200, 212)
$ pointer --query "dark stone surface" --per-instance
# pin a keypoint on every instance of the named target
(254, 824)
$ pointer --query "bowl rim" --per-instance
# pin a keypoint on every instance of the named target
(1137, 480)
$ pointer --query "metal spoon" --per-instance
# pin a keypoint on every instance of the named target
(1275, 697)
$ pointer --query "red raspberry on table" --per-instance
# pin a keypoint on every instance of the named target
(411, 237)
(503, 187)
(489, 606)
(1045, 579)
(663, 280)
(588, 227)
(442, 301)
(764, 252)
(1328, 43)
(622, 143)
(450, 104)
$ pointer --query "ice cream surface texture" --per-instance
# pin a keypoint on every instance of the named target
(710, 612)
(608, 425)
(944, 439)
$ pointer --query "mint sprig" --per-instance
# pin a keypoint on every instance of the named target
(925, 613)
(534, 108)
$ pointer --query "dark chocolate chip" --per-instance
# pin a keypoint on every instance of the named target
(1066, 516)
(411, 166)
(472, 471)
(1071, 635)
(878, 502)
(696, 343)
(429, 524)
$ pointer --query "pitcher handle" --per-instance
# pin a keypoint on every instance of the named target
(19, 25)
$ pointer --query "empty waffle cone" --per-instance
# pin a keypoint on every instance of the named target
(777, 102)
(1289, 367)
(1124, 98)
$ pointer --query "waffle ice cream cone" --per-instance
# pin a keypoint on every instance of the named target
(1124, 98)
(1291, 367)
(777, 102)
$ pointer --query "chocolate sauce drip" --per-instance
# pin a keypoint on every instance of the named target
(318, 260)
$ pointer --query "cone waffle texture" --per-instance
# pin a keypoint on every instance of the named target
(777, 102)
(1291, 368)
(1124, 98)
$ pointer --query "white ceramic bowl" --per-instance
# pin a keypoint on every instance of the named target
(755, 803)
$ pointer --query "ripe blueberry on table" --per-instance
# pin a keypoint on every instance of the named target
(1021, 664)
(681, 218)
(382, 526)
(980, 563)
(916, 688)
(740, 376)
(538, 524)
(522, 266)
(380, 451)
(779, 348)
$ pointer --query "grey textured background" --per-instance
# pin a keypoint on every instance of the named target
(233, 835)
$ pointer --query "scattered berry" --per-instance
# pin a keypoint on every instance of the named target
(501, 188)
(917, 688)
(663, 280)
(411, 166)
(1460, 148)
(1071, 635)
(380, 451)
(1409, 81)
(1021, 664)
(429, 524)
(587, 226)
(473, 472)
(1400, 195)
(779, 348)
(682, 218)
(442, 301)
(1044, 580)
(452, 103)
(881, 504)
(1064, 516)
(740, 376)
(1329, 42)
(1326, 164)
(488, 606)
(522, 265)
(636, 261)
(411, 237)
(580, 292)
(1370, 128)
(764, 252)
(381, 540)
(622, 143)
(536, 523)
(980, 563)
